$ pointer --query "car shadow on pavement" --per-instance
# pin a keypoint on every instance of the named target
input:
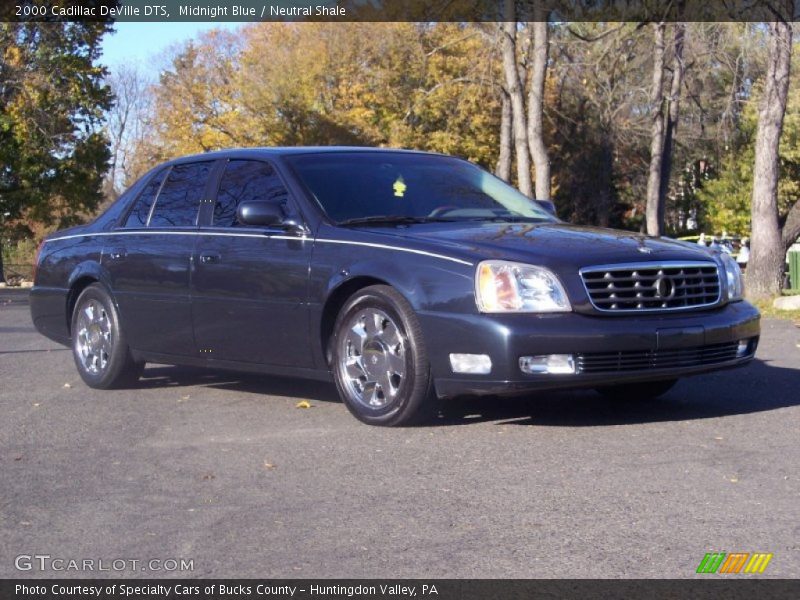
(157, 376)
(755, 388)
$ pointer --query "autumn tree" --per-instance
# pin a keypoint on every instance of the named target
(426, 86)
(53, 152)
(196, 104)
(333, 83)
(456, 107)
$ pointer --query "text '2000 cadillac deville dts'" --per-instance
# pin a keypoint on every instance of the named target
(406, 277)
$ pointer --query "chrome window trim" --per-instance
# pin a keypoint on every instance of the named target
(676, 264)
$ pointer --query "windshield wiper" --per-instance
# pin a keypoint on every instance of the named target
(392, 220)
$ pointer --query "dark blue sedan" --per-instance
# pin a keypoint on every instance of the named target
(405, 277)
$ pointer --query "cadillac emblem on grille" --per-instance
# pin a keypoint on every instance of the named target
(665, 289)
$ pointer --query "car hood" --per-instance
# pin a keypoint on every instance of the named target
(556, 245)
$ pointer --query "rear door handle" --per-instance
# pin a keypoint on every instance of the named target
(209, 257)
(117, 253)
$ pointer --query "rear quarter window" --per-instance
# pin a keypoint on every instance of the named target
(141, 208)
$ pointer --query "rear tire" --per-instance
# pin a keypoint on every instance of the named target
(631, 392)
(99, 346)
(379, 360)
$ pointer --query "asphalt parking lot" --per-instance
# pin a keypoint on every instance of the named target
(224, 469)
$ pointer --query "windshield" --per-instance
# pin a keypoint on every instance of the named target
(371, 186)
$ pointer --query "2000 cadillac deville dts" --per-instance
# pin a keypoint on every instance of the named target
(406, 276)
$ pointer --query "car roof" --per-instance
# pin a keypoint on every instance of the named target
(272, 151)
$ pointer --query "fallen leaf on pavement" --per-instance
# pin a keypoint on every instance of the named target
(303, 404)
(268, 465)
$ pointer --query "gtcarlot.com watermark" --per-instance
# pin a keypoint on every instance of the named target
(46, 562)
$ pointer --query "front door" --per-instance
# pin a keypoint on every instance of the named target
(249, 288)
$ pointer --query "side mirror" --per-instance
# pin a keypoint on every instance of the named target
(548, 206)
(257, 212)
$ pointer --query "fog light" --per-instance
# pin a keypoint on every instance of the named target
(553, 364)
(743, 349)
(479, 364)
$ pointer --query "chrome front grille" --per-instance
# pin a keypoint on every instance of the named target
(643, 360)
(652, 286)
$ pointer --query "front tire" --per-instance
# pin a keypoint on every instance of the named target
(632, 392)
(99, 346)
(380, 362)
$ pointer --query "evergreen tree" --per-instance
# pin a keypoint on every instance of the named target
(53, 152)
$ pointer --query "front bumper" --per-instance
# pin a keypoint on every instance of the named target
(505, 338)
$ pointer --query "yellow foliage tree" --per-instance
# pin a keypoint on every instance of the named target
(426, 86)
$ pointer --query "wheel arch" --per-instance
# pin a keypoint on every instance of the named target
(82, 277)
(425, 285)
(336, 299)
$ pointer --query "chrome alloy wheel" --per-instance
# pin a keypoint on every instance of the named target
(93, 337)
(373, 359)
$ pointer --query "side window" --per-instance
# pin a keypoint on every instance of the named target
(179, 201)
(141, 209)
(246, 180)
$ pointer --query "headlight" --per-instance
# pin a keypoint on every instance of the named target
(733, 277)
(502, 286)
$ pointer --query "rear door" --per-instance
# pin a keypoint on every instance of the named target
(149, 260)
(249, 288)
